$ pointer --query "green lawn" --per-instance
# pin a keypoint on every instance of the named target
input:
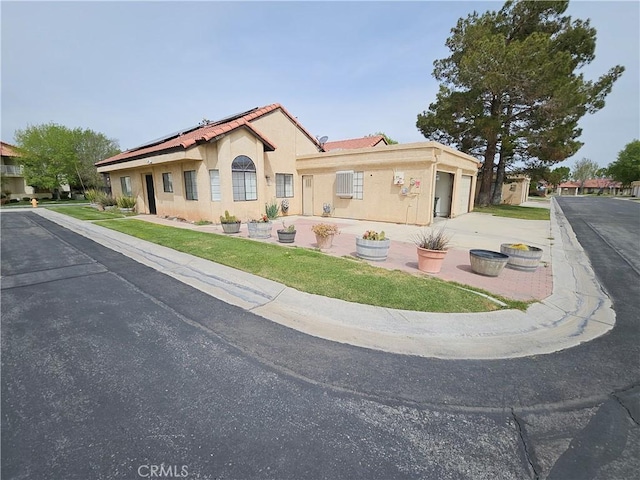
(314, 272)
(43, 202)
(89, 213)
(515, 211)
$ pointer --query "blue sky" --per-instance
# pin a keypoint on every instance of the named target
(138, 70)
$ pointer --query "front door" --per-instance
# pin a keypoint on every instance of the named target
(151, 194)
(307, 195)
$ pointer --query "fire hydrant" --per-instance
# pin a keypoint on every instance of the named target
(34, 203)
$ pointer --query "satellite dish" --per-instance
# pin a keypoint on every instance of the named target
(323, 140)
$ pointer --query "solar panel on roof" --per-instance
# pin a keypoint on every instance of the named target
(176, 134)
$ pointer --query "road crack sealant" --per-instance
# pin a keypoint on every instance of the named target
(527, 450)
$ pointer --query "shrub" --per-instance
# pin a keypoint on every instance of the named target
(325, 229)
(272, 209)
(432, 239)
(91, 195)
(519, 246)
(126, 202)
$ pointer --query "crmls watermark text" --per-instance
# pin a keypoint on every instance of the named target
(163, 471)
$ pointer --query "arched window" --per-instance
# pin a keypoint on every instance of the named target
(245, 184)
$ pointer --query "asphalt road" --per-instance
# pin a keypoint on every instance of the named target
(113, 370)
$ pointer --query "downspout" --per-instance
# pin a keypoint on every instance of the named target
(437, 152)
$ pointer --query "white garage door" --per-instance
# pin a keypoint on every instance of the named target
(464, 192)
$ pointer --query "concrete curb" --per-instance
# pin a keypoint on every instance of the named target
(577, 311)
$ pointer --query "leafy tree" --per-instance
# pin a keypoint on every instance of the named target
(47, 151)
(558, 175)
(509, 90)
(583, 170)
(53, 155)
(626, 168)
(389, 140)
(90, 148)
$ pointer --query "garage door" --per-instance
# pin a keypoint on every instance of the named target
(464, 192)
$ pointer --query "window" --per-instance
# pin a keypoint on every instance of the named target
(190, 185)
(125, 183)
(344, 184)
(214, 179)
(284, 185)
(243, 176)
(167, 182)
(358, 185)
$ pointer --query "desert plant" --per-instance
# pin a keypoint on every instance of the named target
(262, 219)
(432, 239)
(91, 195)
(272, 209)
(126, 202)
(289, 229)
(104, 200)
(520, 246)
(228, 218)
(325, 229)
(373, 235)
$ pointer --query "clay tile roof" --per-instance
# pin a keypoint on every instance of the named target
(204, 133)
(364, 142)
(8, 150)
(569, 185)
(600, 183)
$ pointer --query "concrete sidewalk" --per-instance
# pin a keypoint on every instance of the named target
(577, 311)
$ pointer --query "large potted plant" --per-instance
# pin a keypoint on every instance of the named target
(373, 246)
(230, 224)
(260, 228)
(522, 257)
(286, 234)
(431, 248)
(324, 234)
(126, 204)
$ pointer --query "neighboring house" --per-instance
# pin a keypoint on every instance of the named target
(13, 184)
(635, 188)
(364, 142)
(515, 190)
(568, 188)
(590, 186)
(242, 162)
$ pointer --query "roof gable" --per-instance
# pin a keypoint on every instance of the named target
(187, 138)
(8, 150)
(350, 144)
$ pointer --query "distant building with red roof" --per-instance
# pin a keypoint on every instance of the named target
(364, 142)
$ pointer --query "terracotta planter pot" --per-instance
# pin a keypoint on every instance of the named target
(324, 242)
(430, 261)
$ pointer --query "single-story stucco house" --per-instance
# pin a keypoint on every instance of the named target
(515, 190)
(242, 162)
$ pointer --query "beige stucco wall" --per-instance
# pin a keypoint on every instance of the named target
(515, 191)
(275, 126)
(382, 199)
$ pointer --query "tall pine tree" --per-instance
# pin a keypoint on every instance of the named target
(511, 89)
